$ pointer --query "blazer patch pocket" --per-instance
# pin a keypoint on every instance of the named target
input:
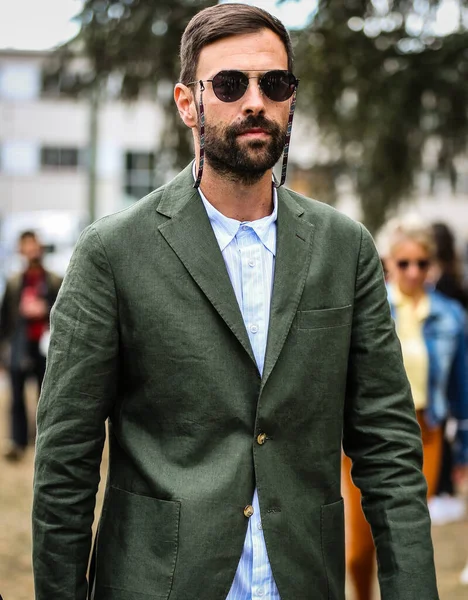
(325, 318)
(137, 546)
(333, 548)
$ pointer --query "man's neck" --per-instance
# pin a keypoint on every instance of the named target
(237, 200)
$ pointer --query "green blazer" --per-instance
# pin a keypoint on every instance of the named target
(147, 333)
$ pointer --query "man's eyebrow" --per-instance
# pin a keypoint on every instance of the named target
(260, 72)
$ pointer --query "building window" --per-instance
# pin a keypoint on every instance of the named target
(55, 157)
(462, 183)
(139, 174)
(56, 83)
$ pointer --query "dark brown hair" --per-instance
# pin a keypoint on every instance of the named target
(26, 235)
(222, 21)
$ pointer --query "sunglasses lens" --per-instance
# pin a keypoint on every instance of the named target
(423, 264)
(403, 264)
(278, 85)
(230, 86)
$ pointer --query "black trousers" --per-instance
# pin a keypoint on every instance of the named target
(446, 485)
(36, 364)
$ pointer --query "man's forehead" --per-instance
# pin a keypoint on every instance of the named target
(259, 51)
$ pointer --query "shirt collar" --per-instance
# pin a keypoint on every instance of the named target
(400, 300)
(225, 228)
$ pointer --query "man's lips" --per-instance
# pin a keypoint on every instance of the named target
(255, 131)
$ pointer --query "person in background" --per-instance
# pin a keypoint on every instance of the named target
(24, 321)
(445, 506)
(431, 329)
(447, 268)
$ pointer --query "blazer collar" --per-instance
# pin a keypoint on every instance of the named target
(177, 193)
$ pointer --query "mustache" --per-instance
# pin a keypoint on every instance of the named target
(253, 122)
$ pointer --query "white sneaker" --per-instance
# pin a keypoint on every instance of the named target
(446, 509)
(464, 575)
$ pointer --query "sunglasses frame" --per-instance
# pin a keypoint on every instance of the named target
(423, 264)
(294, 82)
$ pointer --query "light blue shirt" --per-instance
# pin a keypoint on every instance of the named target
(249, 249)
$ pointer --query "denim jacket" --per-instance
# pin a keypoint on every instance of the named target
(445, 335)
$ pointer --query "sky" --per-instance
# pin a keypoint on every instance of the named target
(36, 24)
(43, 24)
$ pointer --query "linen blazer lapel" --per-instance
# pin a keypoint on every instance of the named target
(293, 255)
(189, 233)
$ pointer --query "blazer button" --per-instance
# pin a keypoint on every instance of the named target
(261, 438)
(248, 511)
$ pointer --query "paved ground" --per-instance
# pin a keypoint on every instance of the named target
(451, 541)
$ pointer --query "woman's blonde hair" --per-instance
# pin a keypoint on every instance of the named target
(409, 228)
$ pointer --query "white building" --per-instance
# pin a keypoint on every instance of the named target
(45, 139)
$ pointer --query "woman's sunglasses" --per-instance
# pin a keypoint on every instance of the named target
(422, 264)
(230, 86)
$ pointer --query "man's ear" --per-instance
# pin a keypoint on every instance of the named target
(185, 102)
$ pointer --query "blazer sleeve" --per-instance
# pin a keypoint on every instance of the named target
(382, 437)
(54, 283)
(76, 399)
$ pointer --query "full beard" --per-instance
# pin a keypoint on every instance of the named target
(247, 164)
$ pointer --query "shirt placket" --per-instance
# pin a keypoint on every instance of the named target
(253, 298)
(255, 313)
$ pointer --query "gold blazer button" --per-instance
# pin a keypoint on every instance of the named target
(248, 511)
(261, 438)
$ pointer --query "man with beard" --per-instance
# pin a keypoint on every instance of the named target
(234, 334)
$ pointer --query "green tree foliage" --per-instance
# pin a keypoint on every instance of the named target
(381, 82)
(138, 38)
(137, 41)
(389, 90)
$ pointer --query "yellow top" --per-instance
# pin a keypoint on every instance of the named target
(409, 326)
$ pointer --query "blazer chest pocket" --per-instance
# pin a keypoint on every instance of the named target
(325, 318)
(136, 547)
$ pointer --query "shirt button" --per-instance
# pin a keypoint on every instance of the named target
(259, 592)
(254, 328)
(251, 263)
(259, 525)
(248, 511)
(261, 438)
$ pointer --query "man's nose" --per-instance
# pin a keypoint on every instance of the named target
(254, 98)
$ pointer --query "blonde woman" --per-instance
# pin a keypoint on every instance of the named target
(431, 328)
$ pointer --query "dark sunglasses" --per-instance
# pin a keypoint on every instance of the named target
(230, 86)
(422, 264)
